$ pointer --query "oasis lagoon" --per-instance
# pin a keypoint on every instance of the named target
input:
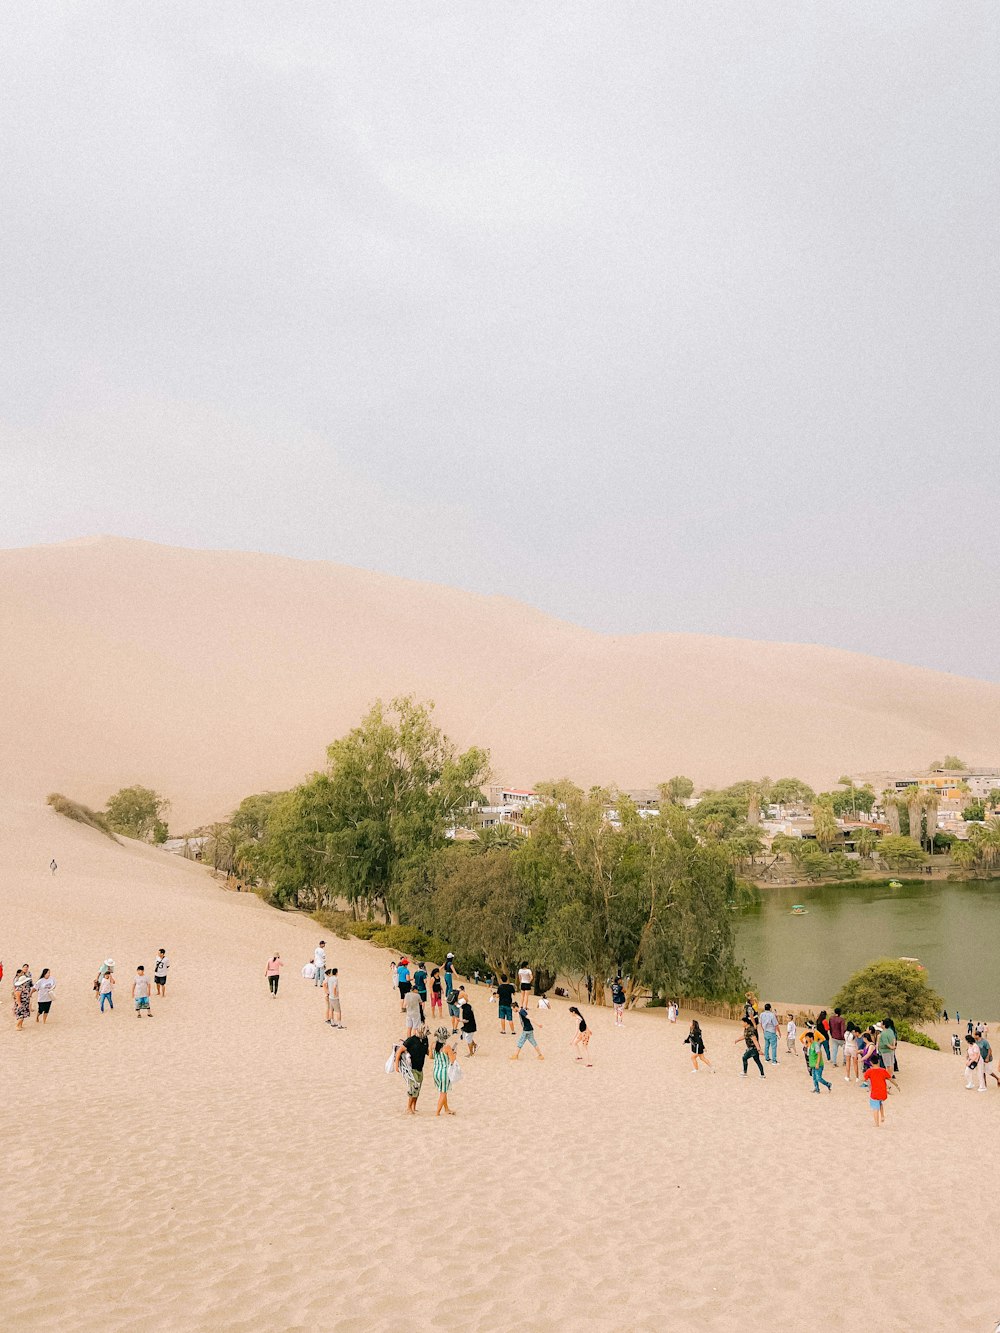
(953, 928)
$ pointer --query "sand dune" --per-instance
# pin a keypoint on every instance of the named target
(210, 675)
(233, 1164)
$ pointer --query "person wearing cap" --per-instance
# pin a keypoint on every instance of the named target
(444, 1057)
(449, 974)
(403, 978)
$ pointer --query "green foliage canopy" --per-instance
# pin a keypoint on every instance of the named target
(138, 812)
(891, 987)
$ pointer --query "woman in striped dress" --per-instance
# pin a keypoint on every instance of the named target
(443, 1057)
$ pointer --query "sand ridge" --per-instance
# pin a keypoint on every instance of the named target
(233, 1163)
(213, 674)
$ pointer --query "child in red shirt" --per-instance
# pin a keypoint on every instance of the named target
(877, 1079)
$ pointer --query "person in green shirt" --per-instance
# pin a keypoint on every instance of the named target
(887, 1046)
(816, 1057)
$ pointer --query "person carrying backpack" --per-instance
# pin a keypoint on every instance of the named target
(988, 1065)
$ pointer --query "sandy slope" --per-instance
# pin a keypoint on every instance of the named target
(210, 675)
(233, 1164)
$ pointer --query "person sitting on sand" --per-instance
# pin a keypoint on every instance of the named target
(582, 1038)
(444, 1057)
(696, 1041)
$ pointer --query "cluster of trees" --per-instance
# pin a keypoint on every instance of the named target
(651, 898)
(138, 812)
(890, 986)
(980, 855)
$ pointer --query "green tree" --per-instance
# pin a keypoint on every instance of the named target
(791, 791)
(892, 987)
(824, 823)
(392, 787)
(900, 852)
(975, 810)
(675, 790)
(483, 902)
(138, 812)
(865, 842)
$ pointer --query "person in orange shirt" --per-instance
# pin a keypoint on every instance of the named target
(877, 1079)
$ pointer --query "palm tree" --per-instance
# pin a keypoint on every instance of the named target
(865, 843)
(824, 823)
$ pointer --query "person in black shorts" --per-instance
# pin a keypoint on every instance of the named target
(160, 972)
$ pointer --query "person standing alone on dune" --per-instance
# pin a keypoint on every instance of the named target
(273, 972)
(319, 963)
(582, 1038)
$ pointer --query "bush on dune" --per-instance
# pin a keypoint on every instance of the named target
(81, 813)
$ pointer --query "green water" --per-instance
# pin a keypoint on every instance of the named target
(953, 928)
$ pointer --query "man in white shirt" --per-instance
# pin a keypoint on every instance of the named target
(160, 972)
(319, 963)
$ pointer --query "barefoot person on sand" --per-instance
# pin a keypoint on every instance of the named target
(877, 1079)
(160, 968)
(527, 1034)
(273, 972)
(696, 1041)
(410, 1059)
(43, 989)
(21, 992)
(582, 1038)
(443, 1058)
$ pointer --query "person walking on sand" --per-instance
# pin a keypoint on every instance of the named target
(751, 1046)
(105, 989)
(436, 992)
(468, 1022)
(420, 982)
(877, 1079)
(696, 1041)
(769, 1029)
(454, 1013)
(582, 1038)
(444, 1057)
(403, 979)
(160, 969)
(140, 992)
(525, 976)
(410, 1057)
(414, 1011)
(52, 866)
(449, 974)
(43, 989)
(618, 1000)
(816, 1058)
(822, 1027)
(791, 1028)
(273, 972)
(332, 988)
(505, 1005)
(989, 1064)
(527, 1036)
(975, 1074)
(21, 992)
(319, 963)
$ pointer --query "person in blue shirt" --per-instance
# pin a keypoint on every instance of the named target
(420, 982)
(403, 977)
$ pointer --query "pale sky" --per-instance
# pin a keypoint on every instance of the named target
(656, 316)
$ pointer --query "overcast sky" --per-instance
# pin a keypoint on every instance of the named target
(659, 317)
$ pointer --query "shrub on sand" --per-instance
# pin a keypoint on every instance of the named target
(81, 813)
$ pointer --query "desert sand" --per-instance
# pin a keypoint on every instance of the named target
(234, 1164)
(210, 675)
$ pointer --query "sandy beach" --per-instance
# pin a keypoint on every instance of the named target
(233, 1163)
